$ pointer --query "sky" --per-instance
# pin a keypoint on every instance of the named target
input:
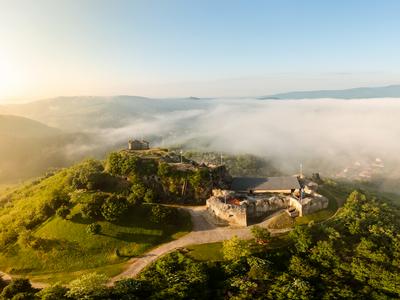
(212, 48)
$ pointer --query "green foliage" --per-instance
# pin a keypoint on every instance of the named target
(149, 196)
(261, 235)
(138, 192)
(18, 286)
(93, 228)
(87, 175)
(175, 276)
(114, 208)
(89, 286)
(163, 214)
(131, 289)
(63, 212)
(236, 248)
(302, 238)
(92, 207)
(53, 292)
(121, 164)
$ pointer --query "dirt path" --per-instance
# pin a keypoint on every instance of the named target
(203, 232)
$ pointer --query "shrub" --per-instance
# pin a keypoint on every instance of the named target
(261, 235)
(235, 248)
(87, 175)
(17, 286)
(56, 291)
(89, 286)
(93, 228)
(92, 208)
(114, 208)
(162, 214)
(131, 288)
(63, 212)
(149, 197)
(138, 191)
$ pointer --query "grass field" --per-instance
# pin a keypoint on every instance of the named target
(213, 251)
(206, 252)
(68, 249)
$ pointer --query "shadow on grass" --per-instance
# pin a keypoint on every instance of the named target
(78, 218)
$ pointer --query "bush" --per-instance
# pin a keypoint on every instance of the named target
(63, 212)
(17, 286)
(138, 191)
(235, 248)
(93, 228)
(131, 288)
(149, 197)
(87, 175)
(54, 292)
(261, 235)
(92, 208)
(3, 283)
(89, 286)
(114, 208)
(163, 214)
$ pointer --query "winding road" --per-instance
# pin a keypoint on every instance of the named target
(204, 231)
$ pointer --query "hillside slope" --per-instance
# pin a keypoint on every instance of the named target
(29, 148)
(392, 91)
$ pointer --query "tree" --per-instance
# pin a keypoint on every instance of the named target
(63, 212)
(87, 175)
(131, 289)
(176, 276)
(149, 196)
(17, 286)
(162, 214)
(261, 235)
(138, 191)
(89, 286)
(92, 207)
(53, 292)
(114, 208)
(235, 248)
(3, 283)
(93, 228)
(302, 238)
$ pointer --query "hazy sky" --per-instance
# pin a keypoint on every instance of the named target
(199, 48)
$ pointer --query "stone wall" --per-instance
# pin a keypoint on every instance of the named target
(314, 203)
(254, 208)
(233, 214)
(261, 207)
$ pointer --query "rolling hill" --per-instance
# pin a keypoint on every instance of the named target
(391, 91)
(29, 148)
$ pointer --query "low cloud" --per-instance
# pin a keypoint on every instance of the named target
(322, 134)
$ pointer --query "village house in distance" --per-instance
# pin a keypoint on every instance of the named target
(250, 199)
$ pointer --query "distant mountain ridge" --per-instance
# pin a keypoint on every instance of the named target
(391, 91)
(22, 127)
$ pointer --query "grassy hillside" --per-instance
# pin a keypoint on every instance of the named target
(36, 239)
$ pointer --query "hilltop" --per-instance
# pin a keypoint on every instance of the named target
(98, 214)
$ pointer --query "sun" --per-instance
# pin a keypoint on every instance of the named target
(10, 78)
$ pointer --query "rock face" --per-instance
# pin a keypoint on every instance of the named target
(170, 178)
